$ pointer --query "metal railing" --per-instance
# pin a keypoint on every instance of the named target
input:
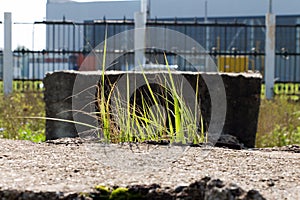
(234, 47)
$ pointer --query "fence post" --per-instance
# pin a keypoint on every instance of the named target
(140, 19)
(7, 55)
(270, 53)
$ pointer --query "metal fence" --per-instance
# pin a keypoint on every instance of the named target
(234, 47)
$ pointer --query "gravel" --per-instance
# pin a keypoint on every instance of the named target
(73, 166)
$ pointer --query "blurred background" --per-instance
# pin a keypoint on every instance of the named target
(50, 35)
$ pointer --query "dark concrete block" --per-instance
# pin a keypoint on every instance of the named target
(242, 100)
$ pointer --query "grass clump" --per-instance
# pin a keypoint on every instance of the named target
(279, 122)
(15, 109)
(153, 112)
(140, 117)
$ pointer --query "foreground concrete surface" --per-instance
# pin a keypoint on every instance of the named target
(72, 166)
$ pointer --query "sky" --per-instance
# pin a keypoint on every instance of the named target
(26, 12)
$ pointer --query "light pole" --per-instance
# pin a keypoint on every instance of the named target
(270, 6)
(207, 37)
(205, 11)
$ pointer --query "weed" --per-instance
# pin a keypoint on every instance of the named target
(153, 112)
(279, 122)
(14, 110)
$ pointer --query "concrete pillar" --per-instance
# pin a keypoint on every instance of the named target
(207, 39)
(270, 54)
(297, 70)
(7, 55)
(144, 6)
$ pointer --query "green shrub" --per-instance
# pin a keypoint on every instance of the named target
(279, 122)
(15, 109)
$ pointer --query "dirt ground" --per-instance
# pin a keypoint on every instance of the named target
(71, 165)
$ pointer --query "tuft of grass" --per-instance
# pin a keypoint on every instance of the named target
(15, 109)
(279, 122)
(149, 116)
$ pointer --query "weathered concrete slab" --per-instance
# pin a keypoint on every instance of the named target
(242, 100)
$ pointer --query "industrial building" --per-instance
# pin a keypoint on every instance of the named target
(231, 31)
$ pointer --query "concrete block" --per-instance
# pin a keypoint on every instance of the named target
(242, 100)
